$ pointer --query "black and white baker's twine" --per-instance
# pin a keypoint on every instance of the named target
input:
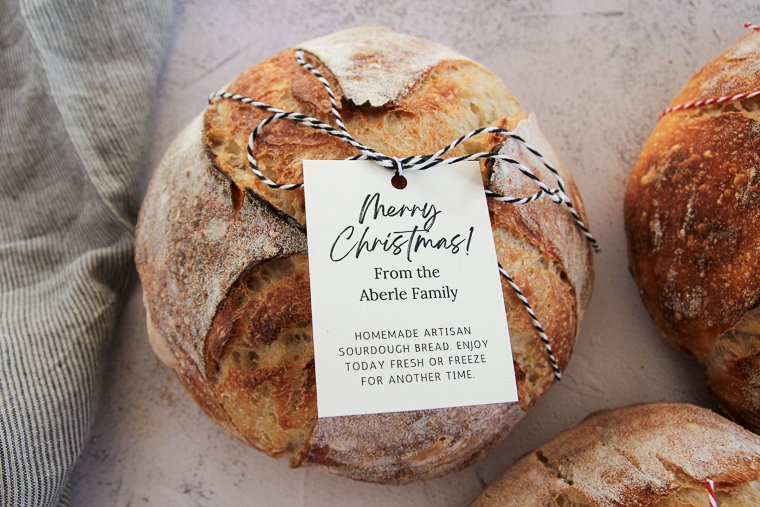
(534, 320)
(557, 194)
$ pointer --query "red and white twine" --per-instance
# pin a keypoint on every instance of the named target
(715, 100)
(711, 493)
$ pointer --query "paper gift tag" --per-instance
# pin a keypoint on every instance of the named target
(406, 299)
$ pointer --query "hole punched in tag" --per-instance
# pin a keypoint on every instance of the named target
(398, 181)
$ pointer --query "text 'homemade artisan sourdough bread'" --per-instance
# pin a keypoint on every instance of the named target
(692, 217)
(223, 258)
(652, 455)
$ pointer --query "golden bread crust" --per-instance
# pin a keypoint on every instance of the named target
(252, 366)
(692, 206)
(192, 239)
(657, 454)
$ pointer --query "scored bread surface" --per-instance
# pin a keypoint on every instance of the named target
(658, 455)
(692, 210)
(232, 315)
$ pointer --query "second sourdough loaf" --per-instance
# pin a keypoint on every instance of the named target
(692, 210)
(223, 258)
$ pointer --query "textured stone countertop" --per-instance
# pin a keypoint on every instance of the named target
(596, 73)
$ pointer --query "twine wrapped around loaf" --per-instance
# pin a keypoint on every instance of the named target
(556, 194)
(710, 484)
(715, 100)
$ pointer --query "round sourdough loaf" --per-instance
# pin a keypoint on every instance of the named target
(657, 455)
(223, 258)
(692, 211)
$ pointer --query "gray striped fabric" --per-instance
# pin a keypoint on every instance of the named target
(77, 80)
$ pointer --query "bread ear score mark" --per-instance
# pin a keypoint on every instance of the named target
(556, 194)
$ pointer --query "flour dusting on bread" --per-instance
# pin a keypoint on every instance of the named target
(657, 455)
(224, 263)
(375, 65)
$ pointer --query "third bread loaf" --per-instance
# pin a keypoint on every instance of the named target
(658, 455)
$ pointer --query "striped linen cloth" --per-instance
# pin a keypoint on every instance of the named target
(77, 79)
